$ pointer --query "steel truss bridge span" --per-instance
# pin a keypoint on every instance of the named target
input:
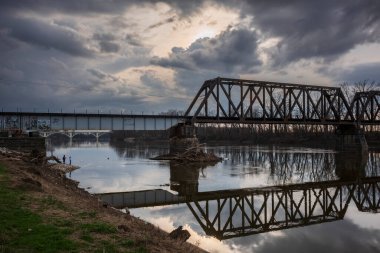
(240, 212)
(224, 100)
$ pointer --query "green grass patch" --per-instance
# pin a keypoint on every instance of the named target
(86, 236)
(98, 227)
(87, 214)
(127, 243)
(24, 230)
(50, 201)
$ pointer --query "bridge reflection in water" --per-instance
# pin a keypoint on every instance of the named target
(239, 212)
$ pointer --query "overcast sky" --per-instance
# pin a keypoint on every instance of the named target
(153, 56)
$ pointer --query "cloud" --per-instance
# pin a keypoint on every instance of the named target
(79, 7)
(90, 48)
(46, 35)
(324, 29)
(164, 22)
(149, 80)
(107, 42)
(133, 40)
(234, 50)
(109, 47)
(356, 73)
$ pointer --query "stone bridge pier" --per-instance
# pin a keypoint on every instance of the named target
(351, 138)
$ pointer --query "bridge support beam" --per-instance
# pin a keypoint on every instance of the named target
(182, 137)
(351, 138)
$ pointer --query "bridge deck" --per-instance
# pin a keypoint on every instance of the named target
(84, 121)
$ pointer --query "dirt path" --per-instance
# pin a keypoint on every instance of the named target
(62, 200)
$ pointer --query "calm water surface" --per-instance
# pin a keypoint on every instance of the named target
(258, 199)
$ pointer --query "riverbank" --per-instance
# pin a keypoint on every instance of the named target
(43, 211)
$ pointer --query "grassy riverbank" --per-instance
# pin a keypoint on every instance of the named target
(43, 211)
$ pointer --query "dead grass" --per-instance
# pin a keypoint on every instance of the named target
(89, 225)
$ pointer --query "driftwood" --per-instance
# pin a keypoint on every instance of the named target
(195, 153)
(52, 158)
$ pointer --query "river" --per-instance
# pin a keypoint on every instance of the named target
(257, 199)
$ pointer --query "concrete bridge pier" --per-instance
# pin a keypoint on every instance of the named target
(351, 138)
(184, 178)
(182, 137)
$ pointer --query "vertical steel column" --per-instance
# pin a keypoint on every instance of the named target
(241, 100)
(229, 100)
(218, 103)
(206, 101)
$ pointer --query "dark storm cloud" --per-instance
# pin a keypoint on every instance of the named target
(83, 7)
(232, 50)
(325, 29)
(109, 47)
(102, 75)
(68, 6)
(357, 73)
(133, 40)
(104, 36)
(45, 35)
(164, 22)
(107, 42)
(97, 73)
(149, 80)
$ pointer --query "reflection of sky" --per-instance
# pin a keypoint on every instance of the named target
(107, 170)
(103, 171)
(338, 236)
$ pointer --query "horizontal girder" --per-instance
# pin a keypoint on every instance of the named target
(224, 100)
(239, 213)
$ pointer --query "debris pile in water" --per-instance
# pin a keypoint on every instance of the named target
(195, 153)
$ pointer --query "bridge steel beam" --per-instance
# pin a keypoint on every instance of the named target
(224, 100)
(366, 107)
(240, 212)
(83, 121)
(228, 214)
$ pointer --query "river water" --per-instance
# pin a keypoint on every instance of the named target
(257, 199)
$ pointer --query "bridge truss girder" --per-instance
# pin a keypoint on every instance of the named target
(260, 211)
(223, 100)
(366, 106)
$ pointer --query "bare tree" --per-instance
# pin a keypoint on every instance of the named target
(364, 86)
(349, 89)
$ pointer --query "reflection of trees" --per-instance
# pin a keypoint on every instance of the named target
(305, 166)
(294, 166)
(285, 166)
(139, 150)
(373, 164)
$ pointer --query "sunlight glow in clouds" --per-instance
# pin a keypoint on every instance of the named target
(131, 54)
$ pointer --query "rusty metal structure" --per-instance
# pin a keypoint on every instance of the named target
(225, 100)
(228, 214)
(232, 213)
(366, 107)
